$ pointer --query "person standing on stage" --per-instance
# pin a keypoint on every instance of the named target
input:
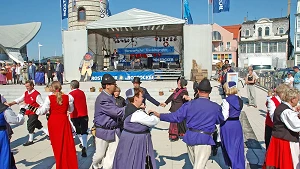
(59, 71)
(201, 117)
(135, 141)
(231, 131)
(120, 101)
(137, 84)
(107, 120)
(60, 133)
(79, 117)
(283, 151)
(177, 130)
(34, 98)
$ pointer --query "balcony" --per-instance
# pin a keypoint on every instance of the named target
(223, 49)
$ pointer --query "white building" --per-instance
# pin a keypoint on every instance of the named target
(265, 39)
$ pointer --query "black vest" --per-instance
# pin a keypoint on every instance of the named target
(279, 128)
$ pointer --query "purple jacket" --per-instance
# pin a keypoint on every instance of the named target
(107, 117)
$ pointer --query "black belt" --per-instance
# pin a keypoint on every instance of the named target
(233, 118)
(200, 131)
(3, 128)
(107, 128)
(138, 132)
(251, 84)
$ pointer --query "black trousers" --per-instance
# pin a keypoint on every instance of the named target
(81, 124)
(268, 135)
(33, 123)
(50, 78)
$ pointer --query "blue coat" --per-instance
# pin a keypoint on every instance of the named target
(107, 115)
(200, 114)
(147, 96)
(60, 68)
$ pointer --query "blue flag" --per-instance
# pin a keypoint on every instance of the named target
(107, 9)
(221, 6)
(64, 9)
(187, 13)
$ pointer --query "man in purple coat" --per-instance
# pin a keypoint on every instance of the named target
(107, 120)
(201, 117)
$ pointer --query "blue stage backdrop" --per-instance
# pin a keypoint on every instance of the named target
(146, 50)
(124, 75)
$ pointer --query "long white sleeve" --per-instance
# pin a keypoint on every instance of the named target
(225, 109)
(71, 104)
(271, 108)
(44, 108)
(141, 117)
(20, 99)
(12, 118)
(291, 120)
(39, 100)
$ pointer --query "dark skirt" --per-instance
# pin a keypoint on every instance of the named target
(177, 130)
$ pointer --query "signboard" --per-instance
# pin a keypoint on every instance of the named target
(166, 58)
(146, 50)
(125, 75)
(233, 76)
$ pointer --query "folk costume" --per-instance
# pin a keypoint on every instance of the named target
(283, 151)
(271, 103)
(107, 120)
(200, 121)
(135, 142)
(85, 66)
(231, 131)
(146, 94)
(34, 99)
(80, 118)
(40, 75)
(177, 130)
(60, 132)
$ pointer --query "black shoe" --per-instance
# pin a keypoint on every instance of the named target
(80, 146)
(83, 152)
(28, 143)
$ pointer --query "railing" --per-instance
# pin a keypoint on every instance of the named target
(224, 49)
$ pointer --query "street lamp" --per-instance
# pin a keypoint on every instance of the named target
(39, 46)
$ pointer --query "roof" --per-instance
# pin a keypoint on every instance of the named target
(271, 19)
(16, 36)
(137, 23)
(235, 29)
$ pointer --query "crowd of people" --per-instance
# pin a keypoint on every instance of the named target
(40, 74)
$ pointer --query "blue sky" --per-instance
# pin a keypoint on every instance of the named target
(48, 12)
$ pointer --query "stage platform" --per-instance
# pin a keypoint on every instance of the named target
(144, 74)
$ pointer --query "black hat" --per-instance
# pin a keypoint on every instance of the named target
(295, 67)
(204, 85)
(136, 80)
(107, 79)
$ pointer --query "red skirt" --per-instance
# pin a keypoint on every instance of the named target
(279, 155)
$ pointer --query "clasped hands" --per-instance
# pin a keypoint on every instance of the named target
(152, 112)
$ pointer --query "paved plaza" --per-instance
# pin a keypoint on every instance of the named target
(169, 155)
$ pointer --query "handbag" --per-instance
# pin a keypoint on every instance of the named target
(148, 157)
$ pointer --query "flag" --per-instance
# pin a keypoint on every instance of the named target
(64, 9)
(221, 6)
(74, 5)
(187, 14)
(40, 44)
(107, 9)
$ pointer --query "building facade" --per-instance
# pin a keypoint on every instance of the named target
(265, 42)
(297, 35)
(225, 43)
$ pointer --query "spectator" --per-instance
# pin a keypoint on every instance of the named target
(290, 79)
(250, 81)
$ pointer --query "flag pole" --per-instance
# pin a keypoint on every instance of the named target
(181, 9)
(208, 12)
(61, 29)
(212, 12)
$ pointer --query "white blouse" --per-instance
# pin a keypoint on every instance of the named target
(141, 117)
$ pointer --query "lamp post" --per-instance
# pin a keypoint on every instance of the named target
(39, 46)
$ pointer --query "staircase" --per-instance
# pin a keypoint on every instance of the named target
(167, 74)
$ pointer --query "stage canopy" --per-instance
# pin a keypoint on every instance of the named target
(137, 23)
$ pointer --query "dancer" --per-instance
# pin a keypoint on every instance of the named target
(120, 101)
(79, 117)
(135, 146)
(60, 133)
(201, 121)
(231, 129)
(177, 130)
(34, 98)
(107, 120)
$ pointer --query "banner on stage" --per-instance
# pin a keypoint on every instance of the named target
(64, 9)
(166, 58)
(124, 76)
(146, 50)
(221, 6)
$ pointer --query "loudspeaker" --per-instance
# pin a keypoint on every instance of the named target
(155, 65)
(120, 66)
(173, 65)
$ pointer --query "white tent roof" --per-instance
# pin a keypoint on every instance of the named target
(137, 23)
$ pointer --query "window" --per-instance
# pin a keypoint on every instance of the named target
(247, 32)
(281, 47)
(221, 47)
(267, 31)
(273, 47)
(280, 31)
(259, 32)
(216, 35)
(264, 47)
(298, 40)
(242, 48)
(228, 45)
(230, 56)
(81, 14)
(298, 22)
(250, 48)
(215, 57)
(257, 47)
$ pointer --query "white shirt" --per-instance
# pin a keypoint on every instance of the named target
(225, 109)
(46, 106)
(271, 106)
(12, 118)
(290, 81)
(290, 119)
(141, 117)
(18, 70)
(39, 99)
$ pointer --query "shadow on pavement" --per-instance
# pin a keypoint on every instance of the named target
(185, 157)
(45, 163)
(161, 129)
